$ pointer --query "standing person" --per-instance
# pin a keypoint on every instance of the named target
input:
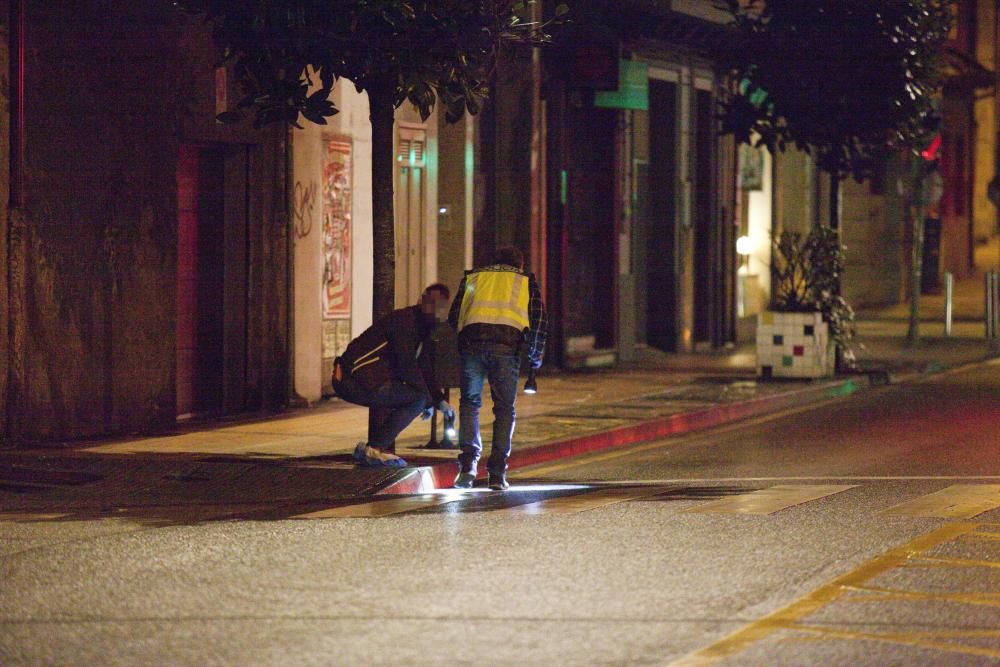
(497, 310)
(383, 367)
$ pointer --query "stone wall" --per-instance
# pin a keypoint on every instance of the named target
(872, 224)
(112, 89)
(873, 231)
(5, 356)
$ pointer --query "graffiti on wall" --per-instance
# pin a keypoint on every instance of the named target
(303, 203)
(336, 229)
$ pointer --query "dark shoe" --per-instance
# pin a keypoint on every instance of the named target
(465, 480)
(499, 482)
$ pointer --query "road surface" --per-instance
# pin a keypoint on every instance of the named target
(864, 530)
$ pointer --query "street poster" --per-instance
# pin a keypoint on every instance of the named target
(337, 229)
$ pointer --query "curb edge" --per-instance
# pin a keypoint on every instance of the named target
(424, 479)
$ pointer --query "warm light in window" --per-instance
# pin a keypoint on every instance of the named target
(744, 245)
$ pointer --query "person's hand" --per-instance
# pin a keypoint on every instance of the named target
(445, 408)
(427, 413)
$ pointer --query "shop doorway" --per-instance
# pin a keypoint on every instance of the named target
(681, 250)
(709, 294)
(588, 315)
(658, 182)
(411, 224)
(211, 279)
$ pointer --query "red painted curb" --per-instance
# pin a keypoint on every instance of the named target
(441, 475)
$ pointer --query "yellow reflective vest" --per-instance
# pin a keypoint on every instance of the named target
(495, 297)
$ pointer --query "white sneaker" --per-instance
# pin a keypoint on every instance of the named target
(377, 458)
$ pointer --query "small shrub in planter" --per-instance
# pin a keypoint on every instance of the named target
(808, 320)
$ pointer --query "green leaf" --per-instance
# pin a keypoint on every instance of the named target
(319, 96)
(327, 78)
(274, 46)
(228, 117)
(314, 117)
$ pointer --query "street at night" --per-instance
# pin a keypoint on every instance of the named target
(861, 530)
(499, 332)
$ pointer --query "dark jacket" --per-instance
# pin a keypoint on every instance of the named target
(500, 338)
(387, 350)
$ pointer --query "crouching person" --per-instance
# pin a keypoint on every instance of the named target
(383, 368)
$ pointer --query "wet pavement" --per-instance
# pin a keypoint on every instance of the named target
(862, 530)
(303, 457)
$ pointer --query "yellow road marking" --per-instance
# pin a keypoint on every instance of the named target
(959, 501)
(986, 537)
(583, 501)
(917, 639)
(381, 507)
(771, 500)
(674, 440)
(952, 562)
(788, 617)
(879, 594)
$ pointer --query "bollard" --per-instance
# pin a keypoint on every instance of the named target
(992, 305)
(949, 293)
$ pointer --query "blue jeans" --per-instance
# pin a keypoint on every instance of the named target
(402, 401)
(502, 371)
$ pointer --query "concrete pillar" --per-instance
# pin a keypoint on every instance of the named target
(318, 338)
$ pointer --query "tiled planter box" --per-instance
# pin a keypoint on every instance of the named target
(793, 345)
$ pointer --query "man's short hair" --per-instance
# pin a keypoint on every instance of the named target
(510, 255)
(440, 288)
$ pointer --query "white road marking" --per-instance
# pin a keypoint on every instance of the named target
(770, 500)
(582, 502)
(958, 501)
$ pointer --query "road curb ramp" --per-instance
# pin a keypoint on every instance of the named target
(423, 479)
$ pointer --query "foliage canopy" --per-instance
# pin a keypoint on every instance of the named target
(843, 79)
(805, 278)
(418, 50)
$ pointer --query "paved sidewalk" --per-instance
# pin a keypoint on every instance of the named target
(968, 305)
(573, 412)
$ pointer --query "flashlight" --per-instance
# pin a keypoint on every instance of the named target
(449, 426)
(531, 385)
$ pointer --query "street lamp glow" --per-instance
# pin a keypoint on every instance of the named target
(744, 245)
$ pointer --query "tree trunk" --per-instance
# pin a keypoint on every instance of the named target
(381, 113)
(917, 247)
(835, 212)
(383, 226)
(835, 201)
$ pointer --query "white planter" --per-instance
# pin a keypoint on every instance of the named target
(793, 345)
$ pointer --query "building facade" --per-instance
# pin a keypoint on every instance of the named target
(160, 267)
(145, 251)
(331, 204)
(606, 163)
